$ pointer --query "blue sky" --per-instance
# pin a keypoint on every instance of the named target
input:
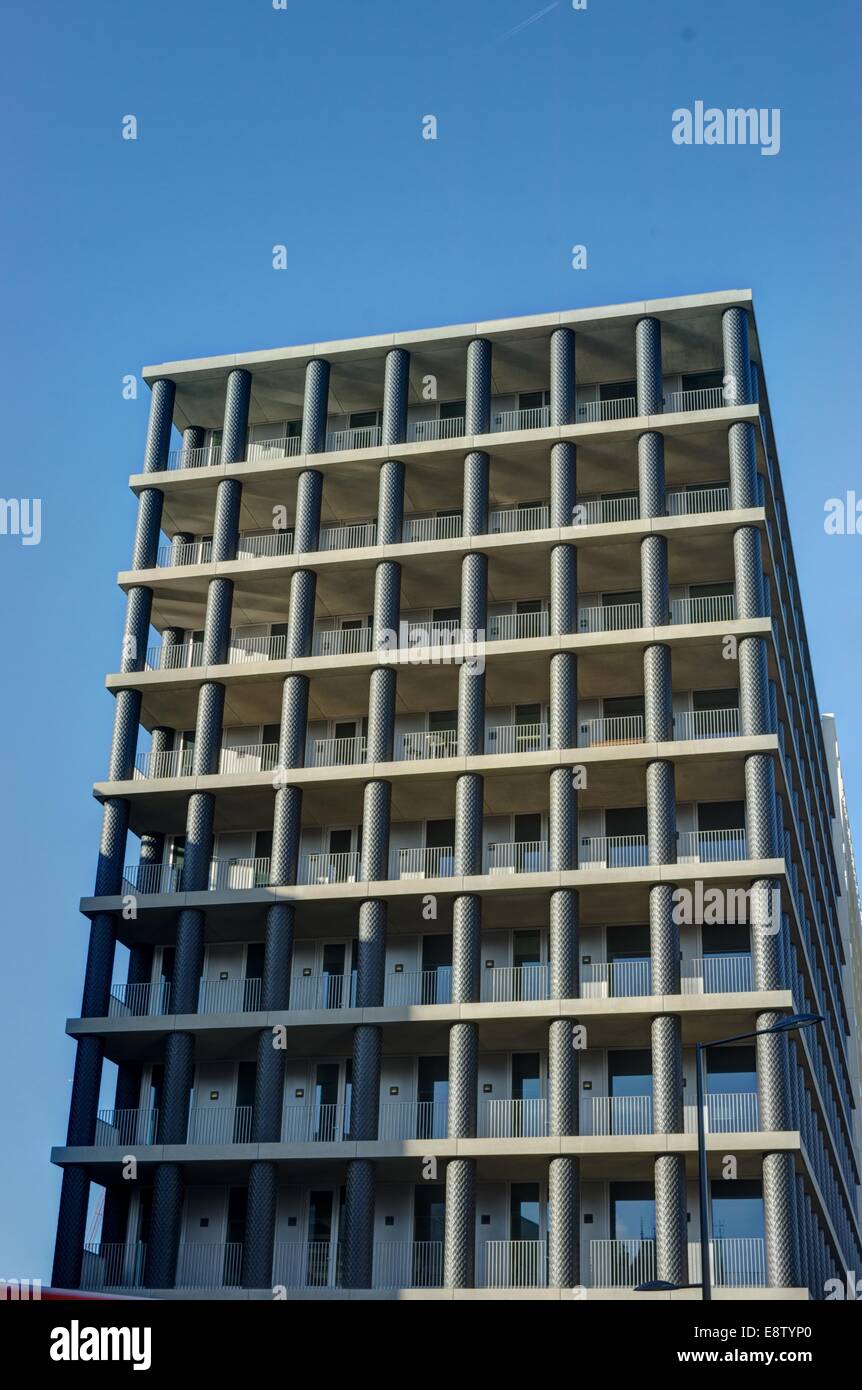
(304, 127)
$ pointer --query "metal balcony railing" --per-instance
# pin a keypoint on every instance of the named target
(413, 1119)
(345, 641)
(229, 996)
(603, 511)
(518, 857)
(242, 649)
(705, 398)
(718, 975)
(621, 1264)
(254, 757)
(513, 983)
(263, 449)
(621, 408)
(408, 1264)
(184, 553)
(621, 979)
(419, 987)
(437, 632)
(323, 990)
(149, 879)
(607, 1115)
(126, 1127)
(423, 430)
(314, 1124)
(513, 519)
(174, 658)
(505, 1118)
(113, 1265)
(177, 762)
(207, 456)
(265, 543)
(614, 851)
(736, 1262)
(437, 743)
(302, 1264)
(344, 867)
(365, 437)
(623, 728)
(238, 873)
(138, 1000)
(536, 418)
(335, 752)
(719, 608)
(220, 1124)
(711, 846)
(707, 723)
(432, 528)
(517, 738)
(437, 861)
(610, 617)
(514, 1264)
(507, 627)
(693, 501)
(210, 1265)
(351, 537)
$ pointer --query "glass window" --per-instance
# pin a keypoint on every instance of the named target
(715, 699)
(524, 1211)
(617, 390)
(632, 1211)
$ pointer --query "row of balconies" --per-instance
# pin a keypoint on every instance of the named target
(528, 516)
(506, 739)
(438, 861)
(416, 635)
(284, 440)
(310, 990)
(726, 1112)
(736, 1262)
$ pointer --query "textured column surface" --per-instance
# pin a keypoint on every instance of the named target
(358, 1245)
(371, 954)
(761, 830)
(365, 1097)
(217, 622)
(100, 965)
(564, 1222)
(381, 715)
(474, 592)
(742, 459)
(469, 797)
(199, 842)
(226, 520)
(768, 936)
(139, 602)
(376, 802)
(648, 366)
(564, 944)
(754, 700)
(563, 701)
(315, 406)
(390, 502)
(562, 820)
(146, 545)
(309, 499)
(396, 384)
(667, 1106)
(277, 957)
(188, 961)
(655, 601)
(737, 360)
(86, 1082)
(563, 1073)
(387, 603)
(300, 628)
(268, 1089)
(463, 1079)
(208, 729)
(286, 835)
(664, 940)
(466, 948)
(671, 1231)
(236, 406)
(748, 573)
(564, 483)
(460, 1226)
(112, 847)
(162, 396)
(564, 590)
(661, 812)
(259, 1242)
(658, 694)
(71, 1229)
(477, 466)
(165, 1222)
(562, 393)
(778, 1200)
(294, 722)
(193, 444)
(176, 1088)
(477, 409)
(651, 483)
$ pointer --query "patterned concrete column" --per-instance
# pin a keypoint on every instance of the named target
(259, 1242)
(661, 812)
(358, 1247)
(655, 601)
(460, 1224)
(176, 1088)
(779, 1195)
(381, 715)
(737, 358)
(390, 503)
(165, 1221)
(564, 590)
(162, 396)
(466, 948)
(742, 460)
(562, 412)
(193, 444)
(761, 831)
(463, 1077)
(563, 701)
(300, 624)
(564, 944)
(309, 500)
(112, 847)
(387, 606)
(648, 367)
(755, 705)
(367, 1048)
(671, 1231)
(563, 1072)
(477, 408)
(315, 407)
(564, 1223)
(477, 472)
(469, 797)
(748, 573)
(377, 799)
(651, 484)
(396, 385)
(237, 400)
(71, 1228)
(562, 820)
(286, 835)
(139, 602)
(658, 694)
(146, 545)
(124, 741)
(564, 483)
(471, 680)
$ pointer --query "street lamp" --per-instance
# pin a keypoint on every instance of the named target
(784, 1025)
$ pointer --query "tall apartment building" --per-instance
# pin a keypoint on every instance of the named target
(473, 776)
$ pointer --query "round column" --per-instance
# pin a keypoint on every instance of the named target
(562, 394)
(650, 394)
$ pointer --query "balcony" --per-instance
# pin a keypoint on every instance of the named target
(253, 757)
(263, 449)
(436, 861)
(229, 996)
(506, 1118)
(518, 857)
(178, 762)
(422, 431)
(517, 738)
(508, 627)
(352, 537)
(626, 979)
(511, 520)
(345, 641)
(610, 617)
(724, 1113)
(432, 528)
(706, 398)
(707, 723)
(718, 608)
(604, 511)
(604, 733)
(335, 752)
(413, 1119)
(315, 1124)
(593, 412)
(365, 437)
(121, 1128)
(438, 743)
(536, 418)
(736, 1262)
(220, 1124)
(207, 456)
(512, 984)
(319, 868)
(710, 846)
(404, 987)
(614, 851)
